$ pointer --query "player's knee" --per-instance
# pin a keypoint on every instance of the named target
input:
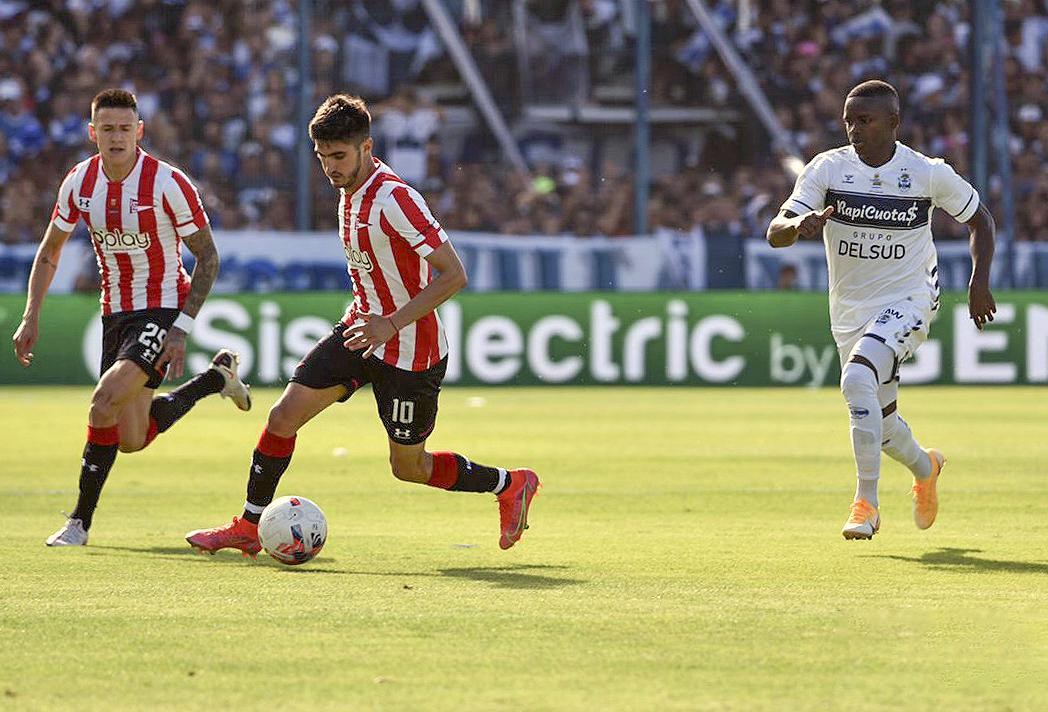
(282, 421)
(858, 380)
(408, 469)
(103, 406)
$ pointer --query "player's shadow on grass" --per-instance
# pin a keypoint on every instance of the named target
(518, 576)
(948, 558)
(190, 554)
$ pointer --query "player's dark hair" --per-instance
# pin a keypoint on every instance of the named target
(342, 117)
(874, 89)
(114, 99)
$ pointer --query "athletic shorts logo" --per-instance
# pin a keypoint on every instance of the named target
(119, 241)
(859, 413)
(402, 434)
(887, 315)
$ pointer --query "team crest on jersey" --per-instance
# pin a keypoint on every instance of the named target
(876, 180)
(849, 178)
(134, 207)
(904, 180)
(358, 259)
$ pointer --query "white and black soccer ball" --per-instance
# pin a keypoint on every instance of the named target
(292, 530)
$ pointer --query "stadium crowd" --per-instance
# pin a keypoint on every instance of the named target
(217, 87)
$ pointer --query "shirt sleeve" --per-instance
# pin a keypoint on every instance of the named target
(407, 213)
(952, 193)
(809, 192)
(66, 215)
(183, 205)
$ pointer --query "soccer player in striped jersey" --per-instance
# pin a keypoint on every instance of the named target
(872, 201)
(390, 336)
(138, 210)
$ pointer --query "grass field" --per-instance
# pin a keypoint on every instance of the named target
(684, 554)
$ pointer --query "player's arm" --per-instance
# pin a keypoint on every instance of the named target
(377, 330)
(788, 226)
(205, 272)
(45, 264)
(982, 228)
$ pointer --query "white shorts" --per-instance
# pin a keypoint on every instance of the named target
(902, 327)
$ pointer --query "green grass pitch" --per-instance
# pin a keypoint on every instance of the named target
(684, 554)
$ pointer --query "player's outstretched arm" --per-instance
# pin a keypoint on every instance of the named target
(45, 264)
(981, 306)
(788, 226)
(377, 330)
(202, 245)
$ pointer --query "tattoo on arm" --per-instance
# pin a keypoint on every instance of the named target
(205, 272)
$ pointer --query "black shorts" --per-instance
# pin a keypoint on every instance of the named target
(407, 400)
(136, 336)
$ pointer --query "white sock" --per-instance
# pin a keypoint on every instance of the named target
(866, 488)
(900, 445)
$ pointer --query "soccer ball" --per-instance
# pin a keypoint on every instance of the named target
(292, 530)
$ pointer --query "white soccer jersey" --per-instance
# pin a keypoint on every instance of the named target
(879, 239)
(137, 226)
(387, 230)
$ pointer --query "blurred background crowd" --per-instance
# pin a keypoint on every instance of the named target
(217, 88)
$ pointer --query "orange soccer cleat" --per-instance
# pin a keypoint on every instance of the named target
(514, 503)
(864, 521)
(925, 496)
(238, 534)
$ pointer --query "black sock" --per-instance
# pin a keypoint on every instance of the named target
(270, 459)
(262, 485)
(168, 408)
(474, 477)
(94, 469)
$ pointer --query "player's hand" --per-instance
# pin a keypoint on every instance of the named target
(375, 331)
(172, 353)
(812, 223)
(981, 306)
(25, 338)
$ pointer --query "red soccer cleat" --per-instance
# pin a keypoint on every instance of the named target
(238, 534)
(514, 503)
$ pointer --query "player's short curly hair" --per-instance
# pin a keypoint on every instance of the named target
(342, 117)
(114, 99)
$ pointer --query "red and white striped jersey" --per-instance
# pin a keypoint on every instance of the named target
(136, 226)
(387, 230)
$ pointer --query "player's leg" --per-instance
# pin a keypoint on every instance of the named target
(297, 406)
(221, 377)
(328, 374)
(407, 405)
(861, 376)
(119, 385)
(899, 442)
(134, 421)
(271, 458)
